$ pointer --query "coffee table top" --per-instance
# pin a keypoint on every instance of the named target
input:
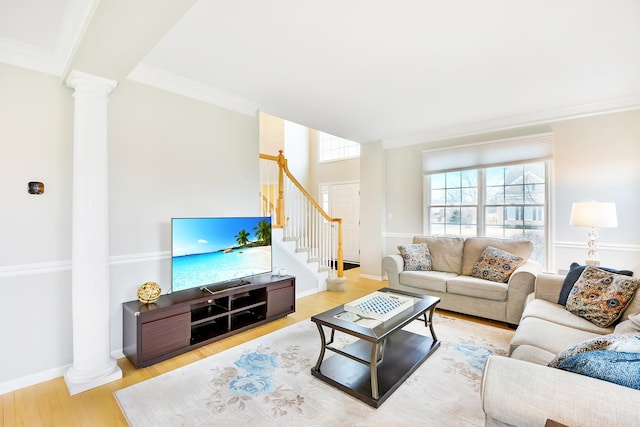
(421, 303)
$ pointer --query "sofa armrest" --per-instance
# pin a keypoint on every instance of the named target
(519, 393)
(548, 286)
(393, 266)
(521, 284)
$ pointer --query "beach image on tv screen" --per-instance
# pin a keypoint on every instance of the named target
(207, 251)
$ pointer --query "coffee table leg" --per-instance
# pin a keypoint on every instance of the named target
(433, 334)
(323, 345)
(374, 370)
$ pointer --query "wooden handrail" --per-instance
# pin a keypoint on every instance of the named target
(283, 169)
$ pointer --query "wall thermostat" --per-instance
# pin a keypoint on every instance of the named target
(36, 187)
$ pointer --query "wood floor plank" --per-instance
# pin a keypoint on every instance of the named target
(49, 403)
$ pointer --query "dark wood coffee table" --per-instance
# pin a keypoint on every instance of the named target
(374, 366)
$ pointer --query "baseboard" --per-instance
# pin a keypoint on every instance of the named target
(33, 379)
(40, 377)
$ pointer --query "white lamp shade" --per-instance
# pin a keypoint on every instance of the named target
(594, 214)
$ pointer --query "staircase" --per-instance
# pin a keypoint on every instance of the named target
(305, 240)
(310, 276)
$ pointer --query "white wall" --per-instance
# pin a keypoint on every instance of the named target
(36, 119)
(296, 149)
(271, 134)
(595, 158)
(372, 209)
(169, 156)
(329, 172)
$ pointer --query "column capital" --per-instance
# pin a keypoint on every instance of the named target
(79, 80)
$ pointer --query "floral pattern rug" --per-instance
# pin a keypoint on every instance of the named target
(268, 382)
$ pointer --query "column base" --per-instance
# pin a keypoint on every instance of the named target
(79, 381)
(336, 283)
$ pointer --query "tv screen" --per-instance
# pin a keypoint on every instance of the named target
(210, 251)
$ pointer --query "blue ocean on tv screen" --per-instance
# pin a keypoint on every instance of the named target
(207, 251)
(199, 270)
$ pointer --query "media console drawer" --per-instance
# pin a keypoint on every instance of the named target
(182, 321)
(165, 335)
(281, 299)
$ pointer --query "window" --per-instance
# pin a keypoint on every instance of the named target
(335, 148)
(454, 200)
(502, 201)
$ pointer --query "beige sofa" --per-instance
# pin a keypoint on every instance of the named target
(521, 390)
(453, 259)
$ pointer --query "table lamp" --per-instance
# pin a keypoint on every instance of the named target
(593, 215)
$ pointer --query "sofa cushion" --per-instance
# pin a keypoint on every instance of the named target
(604, 342)
(496, 265)
(600, 296)
(633, 307)
(473, 247)
(575, 270)
(416, 257)
(631, 325)
(446, 252)
(426, 280)
(532, 354)
(616, 367)
(557, 313)
(479, 288)
(548, 336)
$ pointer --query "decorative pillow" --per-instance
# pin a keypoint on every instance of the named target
(575, 270)
(416, 257)
(617, 367)
(496, 265)
(600, 296)
(604, 342)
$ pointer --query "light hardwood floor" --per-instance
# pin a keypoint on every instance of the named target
(49, 403)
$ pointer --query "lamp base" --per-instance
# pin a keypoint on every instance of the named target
(592, 262)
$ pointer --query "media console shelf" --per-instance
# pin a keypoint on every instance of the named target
(184, 320)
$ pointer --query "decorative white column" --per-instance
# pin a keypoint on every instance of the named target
(90, 281)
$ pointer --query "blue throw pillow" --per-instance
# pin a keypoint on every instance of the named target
(575, 270)
(613, 366)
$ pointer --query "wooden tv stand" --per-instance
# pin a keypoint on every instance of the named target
(181, 321)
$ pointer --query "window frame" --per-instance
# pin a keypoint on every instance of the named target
(481, 226)
(347, 143)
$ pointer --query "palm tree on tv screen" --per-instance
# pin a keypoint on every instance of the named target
(263, 232)
(242, 237)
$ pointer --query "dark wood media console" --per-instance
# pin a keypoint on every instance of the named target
(184, 320)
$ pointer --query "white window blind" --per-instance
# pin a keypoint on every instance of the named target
(537, 147)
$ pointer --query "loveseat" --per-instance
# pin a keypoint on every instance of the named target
(523, 390)
(451, 278)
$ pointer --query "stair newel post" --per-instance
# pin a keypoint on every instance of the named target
(340, 254)
(282, 164)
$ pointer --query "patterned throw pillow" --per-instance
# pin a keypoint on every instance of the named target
(575, 270)
(416, 257)
(612, 366)
(604, 342)
(600, 296)
(496, 265)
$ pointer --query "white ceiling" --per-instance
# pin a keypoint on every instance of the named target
(401, 72)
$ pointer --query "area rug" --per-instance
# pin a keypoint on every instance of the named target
(267, 382)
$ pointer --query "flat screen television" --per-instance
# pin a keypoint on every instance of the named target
(213, 253)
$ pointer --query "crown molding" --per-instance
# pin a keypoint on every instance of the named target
(74, 25)
(160, 79)
(52, 61)
(27, 56)
(630, 102)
